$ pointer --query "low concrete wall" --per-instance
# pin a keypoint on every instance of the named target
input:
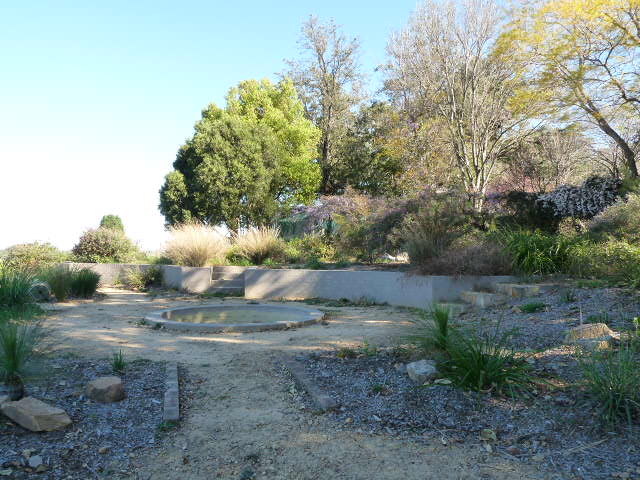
(394, 288)
(109, 272)
(189, 279)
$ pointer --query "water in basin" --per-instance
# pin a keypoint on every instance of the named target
(233, 315)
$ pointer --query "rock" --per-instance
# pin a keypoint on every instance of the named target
(591, 336)
(106, 389)
(588, 331)
(36, 415)
(103, 450)
(35, 461)
(422, 371)
(3, 399)
(247, 474)
(40, 292)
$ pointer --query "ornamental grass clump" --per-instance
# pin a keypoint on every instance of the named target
(432, 329)
(60, 280)
(84, 283)
(613, 380)
(195, 244)
(486, 363)
(15, 287)
(18, 344)
(258, 243)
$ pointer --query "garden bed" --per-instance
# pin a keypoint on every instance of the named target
(103, 439)
(556, 427)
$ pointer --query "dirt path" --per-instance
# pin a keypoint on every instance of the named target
(243, 420)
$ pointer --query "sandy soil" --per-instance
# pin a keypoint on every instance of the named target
(243, 421)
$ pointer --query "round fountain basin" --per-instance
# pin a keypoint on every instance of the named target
(235, 317)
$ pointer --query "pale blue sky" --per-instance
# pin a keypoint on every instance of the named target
(96, 97)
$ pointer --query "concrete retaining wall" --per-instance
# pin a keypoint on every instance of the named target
(394, 288)
(189, 279)
(109, 272)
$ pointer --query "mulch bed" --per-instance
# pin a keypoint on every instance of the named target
(103, 438)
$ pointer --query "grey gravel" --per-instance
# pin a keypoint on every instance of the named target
(103, 439)
(557, 428)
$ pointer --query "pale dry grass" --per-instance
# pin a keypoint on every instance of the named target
(195, 245)
(258, 243)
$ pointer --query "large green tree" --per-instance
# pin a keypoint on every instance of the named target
(370, 162)
(246, 163)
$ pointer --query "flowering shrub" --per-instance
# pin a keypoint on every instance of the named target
(585, 201)
(33, 257)
(103, 245)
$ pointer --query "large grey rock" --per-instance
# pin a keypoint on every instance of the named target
(35, 415)
(106, 389)
(588, 331)
(591, 336)
(40, 292)
(422, 371)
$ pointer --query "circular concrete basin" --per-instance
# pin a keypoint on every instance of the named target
(235, 317)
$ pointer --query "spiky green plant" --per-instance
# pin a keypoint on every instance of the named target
(486, 362)
(18, 344)
(59, 280)
(15, 287)
(613, 380)
(118, 362)
(84, 283)
(432, 329)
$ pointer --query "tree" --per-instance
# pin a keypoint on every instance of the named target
(247, 163)
(112, 221)
(329, 81)
(546, 160)
(583, 57)
(370, 164)
(442, 66)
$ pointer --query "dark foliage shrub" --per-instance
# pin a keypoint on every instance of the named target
(84, 283)
(112, 221)
(584, 201)
(474, 254)
(439, 222)
(33, 257)
(104, 245)
(59, 280)
(524, 210)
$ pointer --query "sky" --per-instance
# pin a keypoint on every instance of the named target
(97, 97)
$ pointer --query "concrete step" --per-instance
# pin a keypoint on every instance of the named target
(456, 308)
(229, 269)
(239, 279)
(239, 291)
(483, 299)
(230, 284)
(518, 290)
(227, 276)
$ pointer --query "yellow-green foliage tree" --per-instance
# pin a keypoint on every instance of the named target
(583, 57)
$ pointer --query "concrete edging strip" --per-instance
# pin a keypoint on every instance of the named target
(171, 412)
(322, 401)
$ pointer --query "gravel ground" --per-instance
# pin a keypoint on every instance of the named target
(556, 427)
(103, 438)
